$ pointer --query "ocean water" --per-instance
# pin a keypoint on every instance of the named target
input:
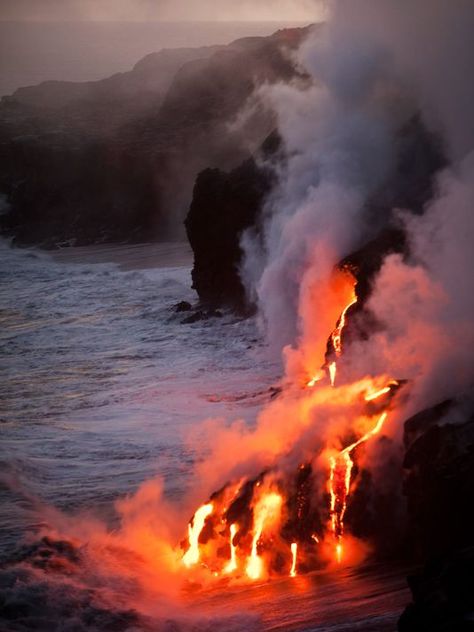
(100, 379)
(101, 387)
(31, 52)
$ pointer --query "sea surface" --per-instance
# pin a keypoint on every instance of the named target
(31, 52)
(101, 386)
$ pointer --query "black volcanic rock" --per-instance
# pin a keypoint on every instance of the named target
(182, 306)
(223, 206)
(116, 159)
(439, 479)
(439, 486)
(410, 186)
(443, 598)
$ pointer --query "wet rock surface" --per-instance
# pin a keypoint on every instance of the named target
(202, 314)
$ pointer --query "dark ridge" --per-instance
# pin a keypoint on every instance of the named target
(116, 160)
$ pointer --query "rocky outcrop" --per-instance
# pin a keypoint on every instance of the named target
(439, 467)
(439, 487)
(443, 599)
(223, 206)
(116, 159)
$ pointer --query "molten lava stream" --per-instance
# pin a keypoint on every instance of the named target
(243, 502)
(266, 510)
(332, 373)
(336, 342)
(192, 555)
(294, 553)
(231, 565)
(340, 470)
(336, 336)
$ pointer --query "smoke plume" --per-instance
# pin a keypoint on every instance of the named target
(374, 66)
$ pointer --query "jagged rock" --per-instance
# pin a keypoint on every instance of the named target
(223, 206)
(439, 478)
(202, 315)
(215, 313)
(194, 318)
(182, 306)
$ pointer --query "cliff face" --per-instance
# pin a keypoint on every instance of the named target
(223, 206)
(439, 486)
(116, 159)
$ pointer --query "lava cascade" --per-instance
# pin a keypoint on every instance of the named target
(274, 524)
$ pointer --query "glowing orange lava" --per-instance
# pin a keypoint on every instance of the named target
(231, 565)
(332, 373)
(340, 469)
(294, 553)
(192, 555)
(318, 376)
(336, 336)
(259, 513)
(268, 508)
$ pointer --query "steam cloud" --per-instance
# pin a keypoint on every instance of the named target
(373, 67)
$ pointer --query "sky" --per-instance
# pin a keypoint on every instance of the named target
(207, 10)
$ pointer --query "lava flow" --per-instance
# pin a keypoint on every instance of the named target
(340, 480)
(335, 341)
(192, 555)
(294, 553)
(267, 509)
(231, 565)
(263, 526)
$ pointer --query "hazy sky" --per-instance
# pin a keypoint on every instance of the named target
(257, 10)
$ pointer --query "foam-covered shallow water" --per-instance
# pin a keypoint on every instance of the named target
(101, 385)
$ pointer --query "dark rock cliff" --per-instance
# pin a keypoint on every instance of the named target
(439, 487)
(223, 206)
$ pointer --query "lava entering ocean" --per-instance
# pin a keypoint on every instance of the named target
(285, 520)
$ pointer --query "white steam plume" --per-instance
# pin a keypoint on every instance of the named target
(426, 305)
(374, 66)
(338, 135)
